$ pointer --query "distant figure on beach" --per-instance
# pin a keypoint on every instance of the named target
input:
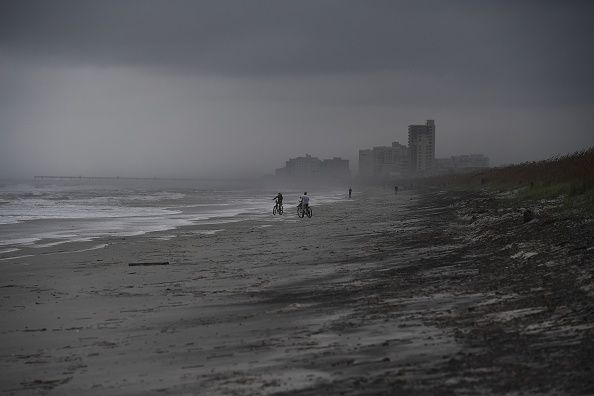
(278, 199)
(350, 191)
(395, 190)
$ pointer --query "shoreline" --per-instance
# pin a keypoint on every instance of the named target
(43, 245)
(380, 294)
(27, 235)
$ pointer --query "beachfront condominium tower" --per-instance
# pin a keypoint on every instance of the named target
(421, 146)
(366, 163)
(382, 161)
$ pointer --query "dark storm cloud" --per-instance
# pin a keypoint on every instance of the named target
(145, 87)
(519, 42)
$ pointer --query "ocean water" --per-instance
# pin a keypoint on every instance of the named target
(41, 213)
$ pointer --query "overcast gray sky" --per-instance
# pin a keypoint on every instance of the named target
(223, 88)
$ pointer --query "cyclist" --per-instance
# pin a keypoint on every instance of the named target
(304, 201)
(278, 199)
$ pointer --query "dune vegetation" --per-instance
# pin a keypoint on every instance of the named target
(570, 177)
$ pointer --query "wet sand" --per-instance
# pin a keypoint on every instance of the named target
(422, 293)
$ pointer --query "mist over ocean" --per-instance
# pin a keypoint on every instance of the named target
(42, 213)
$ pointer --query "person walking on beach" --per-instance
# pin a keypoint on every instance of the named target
(350, 191)
(395, 190)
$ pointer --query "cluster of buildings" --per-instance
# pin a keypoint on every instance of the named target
(418, 159)
(309, 166)
(397, 160)
(383, 160)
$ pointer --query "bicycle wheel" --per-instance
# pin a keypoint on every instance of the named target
(274, 210)
(300, 212)
(280, 210)
(309, 212)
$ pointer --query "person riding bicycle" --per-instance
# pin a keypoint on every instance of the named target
(304, 201)
(278, 208)
(278, 199)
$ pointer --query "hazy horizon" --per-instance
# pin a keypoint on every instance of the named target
(222, 89)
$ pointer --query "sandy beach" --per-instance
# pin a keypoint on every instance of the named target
(427, 292)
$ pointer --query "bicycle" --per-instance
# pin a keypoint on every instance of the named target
(278, 209)
(304, 212)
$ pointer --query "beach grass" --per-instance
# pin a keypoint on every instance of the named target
(569, 177)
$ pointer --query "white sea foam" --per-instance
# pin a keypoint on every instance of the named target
(46, 215)
(16, 257)
(18, 241)
(208, 232)
(100, 246)
(42, 209)
(67, 239)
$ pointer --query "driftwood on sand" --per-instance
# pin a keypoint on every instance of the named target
(148, 263)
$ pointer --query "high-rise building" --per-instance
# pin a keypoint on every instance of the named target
(366, 163)
(309, 166)
(399, 159)
(336, 167)
(421, 146)
(301, 166)
(383, 161)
